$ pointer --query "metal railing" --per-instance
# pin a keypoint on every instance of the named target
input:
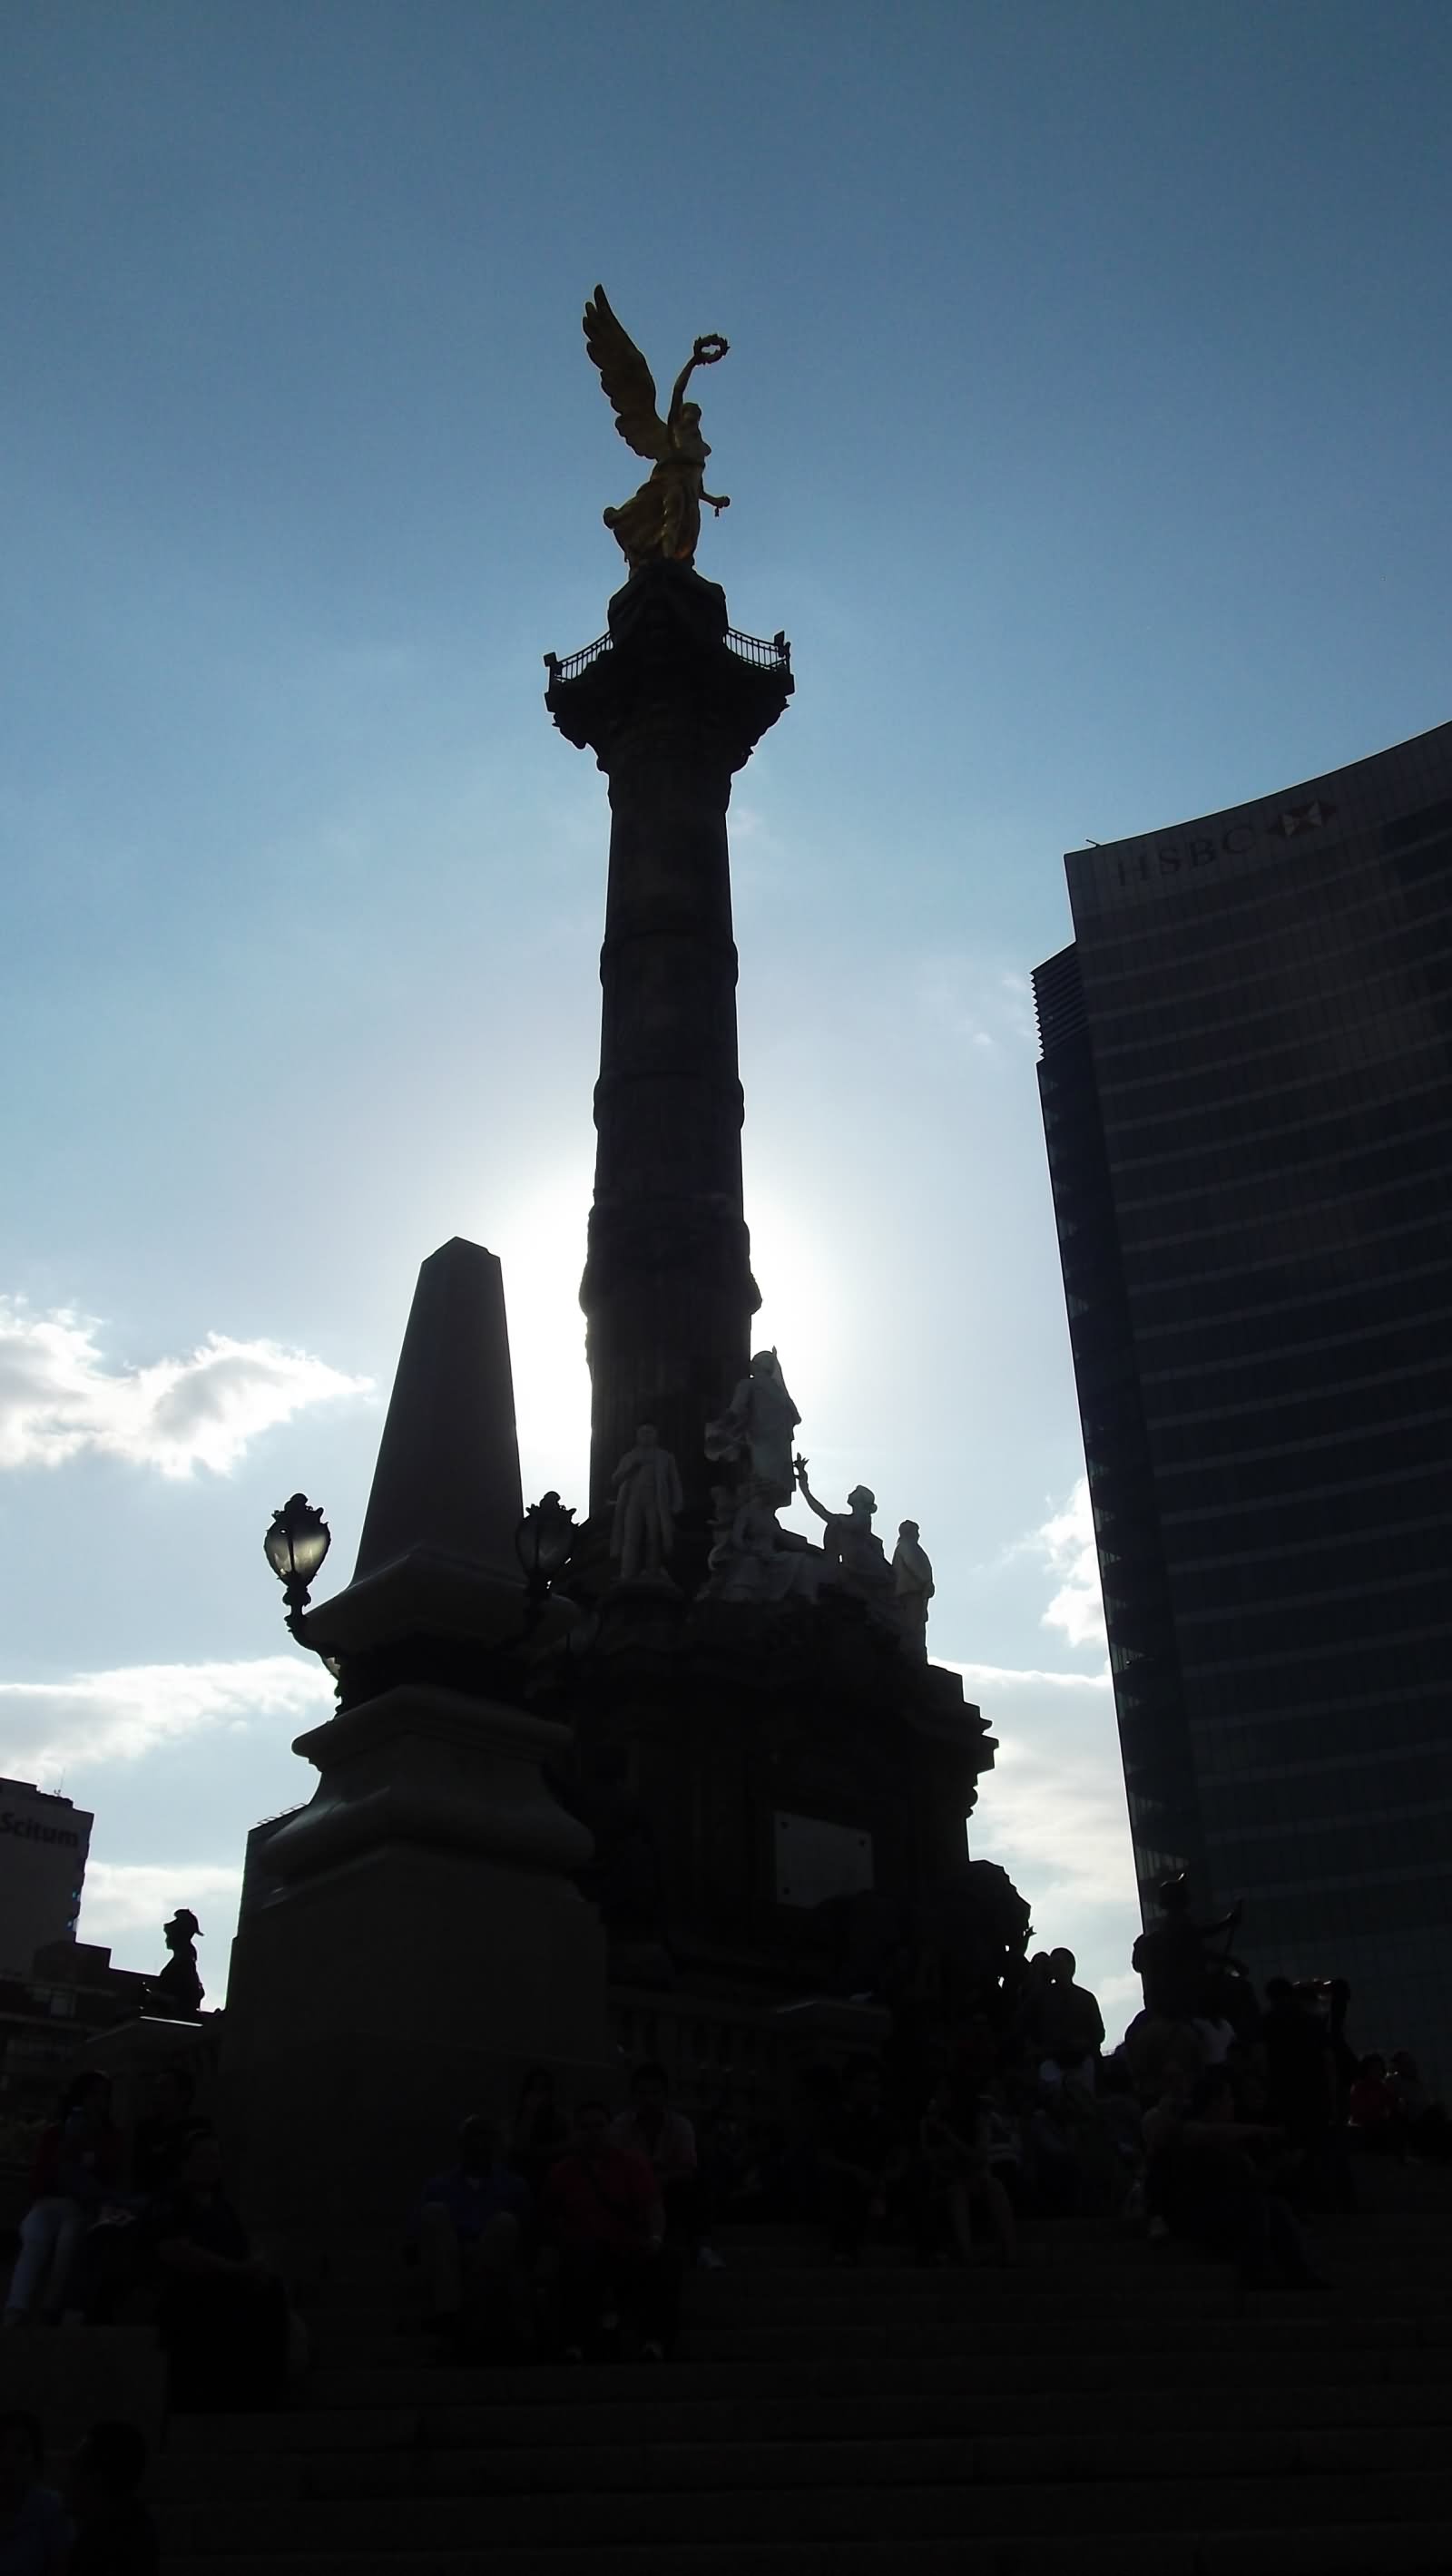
(773, 656)
(763, 655)
(574, 663)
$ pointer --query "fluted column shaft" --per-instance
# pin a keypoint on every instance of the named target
(671, 713)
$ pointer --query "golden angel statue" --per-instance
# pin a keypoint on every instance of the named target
(664, 518)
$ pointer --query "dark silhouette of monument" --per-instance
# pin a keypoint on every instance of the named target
(758, 1737)
(771, 1777)
(672, 704)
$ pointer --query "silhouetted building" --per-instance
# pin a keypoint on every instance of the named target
(1247, 1098)
(43, 1845)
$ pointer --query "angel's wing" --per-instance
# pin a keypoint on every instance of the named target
(626, 379)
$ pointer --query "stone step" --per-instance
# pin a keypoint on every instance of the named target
(1180, 2288)
(1099, 2241)
(1157, 2276)
(655, 2412)
(1288, 2323)
(406, 2526)
(1124, 2247)
(1128, 2251)
(1320, 2549)
(653, 2465)
(1095, 2242)
(1047, 2372)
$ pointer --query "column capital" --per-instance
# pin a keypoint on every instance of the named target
(670, 666)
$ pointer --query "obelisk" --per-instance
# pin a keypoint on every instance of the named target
(420, 1938)
(672, 703)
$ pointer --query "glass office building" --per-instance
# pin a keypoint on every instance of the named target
(1246, 1081)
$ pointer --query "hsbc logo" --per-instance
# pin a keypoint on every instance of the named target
(1174, 858)
(1156, 862)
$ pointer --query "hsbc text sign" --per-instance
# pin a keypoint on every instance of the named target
(1116, 874)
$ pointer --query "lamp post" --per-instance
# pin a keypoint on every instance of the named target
(544, 1543)
(297, 1541)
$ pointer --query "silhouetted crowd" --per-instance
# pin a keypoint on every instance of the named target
(141, 2229)
(568, 2237)
(1223, 2118)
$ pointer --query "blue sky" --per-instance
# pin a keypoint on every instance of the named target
(1085, 427)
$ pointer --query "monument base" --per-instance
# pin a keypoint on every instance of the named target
(421, 1944)
(777, 1796)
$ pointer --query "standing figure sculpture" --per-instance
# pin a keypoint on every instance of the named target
(178, 1990)
(854, 1552)
(663, 521)
(912, 1577)
(647, 1498)
(758, 1423)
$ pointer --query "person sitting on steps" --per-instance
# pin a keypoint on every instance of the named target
(115, 2534)
(540, 2133)
(602, 2208)
(223, 2315)
(668, 2142)
(470, 2231)
(35, 2531)
(955, 2143)
(1209, 2189)
(862, 2167)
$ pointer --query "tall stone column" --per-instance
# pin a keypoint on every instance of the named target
(672, 705)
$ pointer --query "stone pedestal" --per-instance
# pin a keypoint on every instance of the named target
(135, 2051)
(427, 1945)
(420, 1937)
(776, 1794)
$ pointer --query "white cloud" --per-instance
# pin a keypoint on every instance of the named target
(1066, 1540)
(1054, 1810)
(1052, 1813)
(59, 1397)
(985, 1676)
(127, 1896)
(118, 1716)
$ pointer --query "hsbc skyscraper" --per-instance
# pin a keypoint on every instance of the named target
(1246, 1083)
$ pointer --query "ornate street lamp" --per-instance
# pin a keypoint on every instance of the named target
(544, 1543)
(295, 1546)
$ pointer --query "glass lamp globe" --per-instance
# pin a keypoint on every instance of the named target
(296, 1543)
(544, 1540)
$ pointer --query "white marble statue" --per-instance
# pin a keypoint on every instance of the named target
(757, 1427)
(724, 1503)
(753, 1559)
(855, 1558)
(647, 1498)
(912, 1576)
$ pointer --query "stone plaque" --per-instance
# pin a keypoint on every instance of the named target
(816, 1860)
